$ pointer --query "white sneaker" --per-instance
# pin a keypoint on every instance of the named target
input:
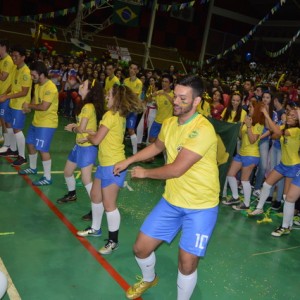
(256, 193)
(3, 149)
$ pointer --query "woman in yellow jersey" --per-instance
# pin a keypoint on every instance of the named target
(288, 166)
(121, 101)
(248, 156)
(234, 112)
(89, 112)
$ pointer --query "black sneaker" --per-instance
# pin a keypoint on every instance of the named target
(231, 201)
(269, 199)
(87, 217)
(276, 205)
(9, 153)
(67, 198)
(20, 161)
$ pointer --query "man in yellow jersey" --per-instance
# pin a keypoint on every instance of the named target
(164, 105)
(136, 85)
(19, 93)
(44, 123)
(6, 72)
(190, 201)
(111, 78)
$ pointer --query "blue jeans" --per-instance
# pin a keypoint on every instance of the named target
(275, 157)
(262, 167)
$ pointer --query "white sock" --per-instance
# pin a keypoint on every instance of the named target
(33, 160)
(288, 214)
(88, 188)
(134, 143)
(113, 220)
(264, 194)
(186, 285)
(1, 130)
(97, 213)
(47, 169)
(20, 138)
(71, 183)
(247, 192)
(11, 139)
(233, 186)
(147, 266)
(6, 139)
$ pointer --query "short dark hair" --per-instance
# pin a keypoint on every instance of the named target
(20, 49)
(39, 67)
(194, 82)
(168, 76)
(4, 43)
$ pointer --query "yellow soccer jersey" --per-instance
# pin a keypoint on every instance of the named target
(164, 107)
(88, 112)
(111, 149)
(109, 83)
(198, 188)
(233, 114)
(21, 78)
(48, 93)
(136, 86)
(7, 66)
(205, 111)
(248, 149)
(290, 146)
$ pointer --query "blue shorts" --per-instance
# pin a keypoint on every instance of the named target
(165, 221)
(131, 120)
(83, 156)
(15, 117)
(107, 177)
(296, 179)
(155, 129)
(3, 108)
(247, 160)
(287, 171)
(40, 137)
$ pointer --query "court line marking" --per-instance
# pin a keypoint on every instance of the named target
(274, 251)
(12, 292)
(103, 262)
(39, 172)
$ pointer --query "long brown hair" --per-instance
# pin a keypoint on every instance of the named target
(229, 108)
(125, 101)
(258, 116)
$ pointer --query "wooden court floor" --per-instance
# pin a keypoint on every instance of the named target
(45, 260)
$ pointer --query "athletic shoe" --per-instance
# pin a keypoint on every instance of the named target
(240, 206)
(1, 139)
(28, 171)
(231, 201)
(276, 205)
(136, 290)
(67, 198)
(42, 181)
(3, 149)
(255, 212)
(109, 247)
(87, 217)
(269, 199)
(297, 222)
(281, 231)
(8, 152)
(89, 232)
(256, 193)
(20, 161)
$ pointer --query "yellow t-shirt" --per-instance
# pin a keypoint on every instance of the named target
(290, 146)
(111, 149)
(136, 86)
(109, 83)
(48, 93)
(205, 111)
(164, 107)
(21, 78)
(248, 149)
(199, 187)
(88, 111)
(7, 66)
(232, 116)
